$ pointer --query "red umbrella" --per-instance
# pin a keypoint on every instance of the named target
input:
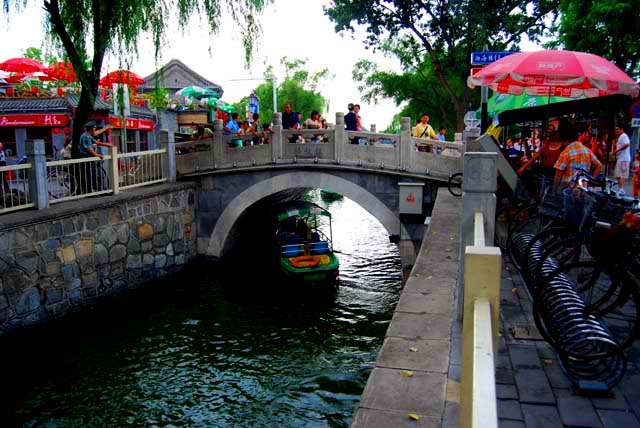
(21, 77)
(22, 65)
(558, 73)
(121, 76)
(62, 71)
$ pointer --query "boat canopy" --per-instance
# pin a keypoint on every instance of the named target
(302, 209)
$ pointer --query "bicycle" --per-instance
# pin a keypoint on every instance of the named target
(61, 183)
(454, 184)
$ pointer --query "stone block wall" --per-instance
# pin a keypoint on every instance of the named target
(53, 267)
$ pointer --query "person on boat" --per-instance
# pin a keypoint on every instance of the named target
(302, 230)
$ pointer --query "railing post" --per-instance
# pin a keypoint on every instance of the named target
(114, 172)
(168, 142)
(217, 145)
(373, 128)
(405, 142)
(479, 184)
(276, 138)
(38, 191)
(339, 138)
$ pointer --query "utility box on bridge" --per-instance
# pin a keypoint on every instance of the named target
(411, 198)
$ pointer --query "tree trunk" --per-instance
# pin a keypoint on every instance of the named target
(81, 116)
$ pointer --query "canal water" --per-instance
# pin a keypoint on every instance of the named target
(215, 346)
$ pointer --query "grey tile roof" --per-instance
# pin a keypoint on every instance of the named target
(33, 104)
(99, 104)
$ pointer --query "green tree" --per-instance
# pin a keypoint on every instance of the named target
(609, 28)
(35, 53)
(87, 29)
(299, 87)
(433, 40)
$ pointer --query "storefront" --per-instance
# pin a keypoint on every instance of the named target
(16, 128)
(140, 133)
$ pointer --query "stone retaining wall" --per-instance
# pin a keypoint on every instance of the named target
(62, 263)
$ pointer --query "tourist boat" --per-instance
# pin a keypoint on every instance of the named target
(330, 195)
(305, 251)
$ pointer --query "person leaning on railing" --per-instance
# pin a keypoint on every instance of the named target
(87, 149)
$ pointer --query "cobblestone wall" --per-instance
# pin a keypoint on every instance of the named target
(54, 267)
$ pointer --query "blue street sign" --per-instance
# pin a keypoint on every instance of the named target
(484, 58)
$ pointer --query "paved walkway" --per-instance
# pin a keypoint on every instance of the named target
(532, 390)
(414, 382)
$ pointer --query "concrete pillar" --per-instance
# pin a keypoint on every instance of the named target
(276, 136)
(469, 136)
(38, 192)
(373, 128)
(339, 137)
(217, 147)
(479, 186)
(404, 148)
(168, 142)
(21, 140)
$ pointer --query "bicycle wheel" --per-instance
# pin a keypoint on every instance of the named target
(455, 184)
(61, 184)
(609, 295)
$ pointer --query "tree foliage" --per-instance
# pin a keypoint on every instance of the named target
(433, 39)
(37, 54)
(87, 29)
(300, 87)
(609, 28)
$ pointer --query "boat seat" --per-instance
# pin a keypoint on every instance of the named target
(292, 250)
(321, 247)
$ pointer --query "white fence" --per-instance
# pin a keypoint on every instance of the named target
(14, 180)
(41, 183)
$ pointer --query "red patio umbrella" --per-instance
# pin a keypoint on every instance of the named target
(21, 77)
(122, 77)
(62, 71)
(557, 73)
(22, 65)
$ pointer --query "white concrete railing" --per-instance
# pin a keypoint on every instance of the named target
(326, 146)
(480, 329)
(40, 183)
(481, 265)
(14, 187)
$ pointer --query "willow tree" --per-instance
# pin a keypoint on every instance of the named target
(88, 29)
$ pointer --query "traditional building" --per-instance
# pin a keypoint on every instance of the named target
(174, 76)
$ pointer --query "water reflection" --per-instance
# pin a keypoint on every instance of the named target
(215, 347)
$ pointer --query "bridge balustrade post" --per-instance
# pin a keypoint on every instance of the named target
(373, 128)
(404, 151)
(479, 187)
(37, 176)
(217, 147)
(276, 139)
(167, 141)
(339, 137)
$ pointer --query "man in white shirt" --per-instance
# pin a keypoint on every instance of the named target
(623, 157)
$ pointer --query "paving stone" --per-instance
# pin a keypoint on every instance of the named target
(425, 303)
(451, 416)
(577, 411)
(524, 357)
(616, 419)
(509, 409)
(430, 355)
(513, 314)
(387, 389)
(545, 350)
(506, 392)
(504, 376)
(418, 326)
(533, 386)
(541, 416)
(629, 387)
(556, 376)
(616, 402)
(371, 418)
(508, 423)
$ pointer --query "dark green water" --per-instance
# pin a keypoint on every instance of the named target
(215, 346)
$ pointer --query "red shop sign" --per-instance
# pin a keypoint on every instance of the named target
(20, 120)
(143, 124)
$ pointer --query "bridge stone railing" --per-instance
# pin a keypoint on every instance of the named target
(398, 152)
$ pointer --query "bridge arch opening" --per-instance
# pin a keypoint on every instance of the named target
(295, 180)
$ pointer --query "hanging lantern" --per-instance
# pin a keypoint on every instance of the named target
(134, 92)
(10, 91)
(34, 90)
(60, 91)
(67, 131)
(56, 131)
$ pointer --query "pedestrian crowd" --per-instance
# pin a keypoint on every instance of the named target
(561, 152)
